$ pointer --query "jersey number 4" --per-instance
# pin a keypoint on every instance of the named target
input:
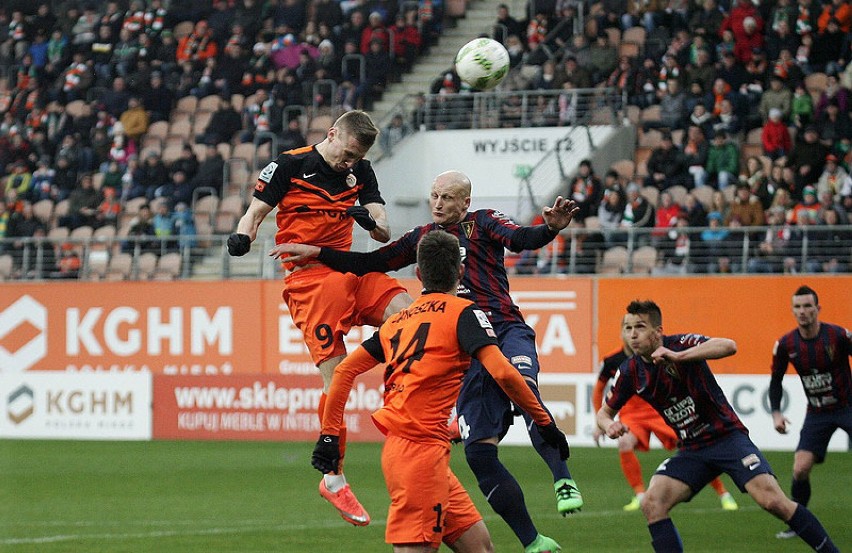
(413, 350)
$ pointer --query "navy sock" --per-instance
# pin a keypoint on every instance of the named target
(800, 491)
(808, 527)
(664, 537)
(548, 453)
(501, 490)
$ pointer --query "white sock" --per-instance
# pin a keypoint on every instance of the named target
(334, 482)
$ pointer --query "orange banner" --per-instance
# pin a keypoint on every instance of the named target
(181, 327)
(257, 407)
(754, 311)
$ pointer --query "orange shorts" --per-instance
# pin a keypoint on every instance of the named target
(428, 503)
(325, 304)
(643, 426)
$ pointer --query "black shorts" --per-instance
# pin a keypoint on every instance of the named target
(818, 429)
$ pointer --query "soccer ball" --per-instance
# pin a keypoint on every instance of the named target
(482, 63)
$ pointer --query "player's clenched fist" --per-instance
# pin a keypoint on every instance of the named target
(326, 454)
(362, 217)
(554, 437)
(239, 244)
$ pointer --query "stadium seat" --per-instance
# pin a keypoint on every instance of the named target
(172, 152)
(6, 267)
(57, 234)
(81, 234)
(592, 222)
(634, 34)
(730, 193)
(180, 129)
(238, 101)
(704, 194)
(643, 260)
(120, 266)
(187, 104)
(61, 209)
(224, 222)
(634, 115)
(199, 124)
(74, 108)
(815, 84)
(629, 49)
(206, 205)
(678, 193)
(677, 137)
(651, 194)
(232, 203)
(753, 136)
(146, 265)
(168, 267)
(614, 36)
(208, 104)
(614, 260)
(651, 113)
(224, 149)
(625, 168)
(97, 262)
(650, 139)
(131, 207)
(43, 211)
(183, 29)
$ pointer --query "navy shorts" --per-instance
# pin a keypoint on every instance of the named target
(735, 455)
(818, 429)
(484, 409)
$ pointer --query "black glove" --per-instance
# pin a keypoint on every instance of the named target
(362, 217)
(552, 436)
(239, 244)
(326, 454)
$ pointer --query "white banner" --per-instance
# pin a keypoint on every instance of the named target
(569, 397)
(86, 406)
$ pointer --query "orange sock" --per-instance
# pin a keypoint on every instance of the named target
(632, 470)
(320, 410)
(718, 486)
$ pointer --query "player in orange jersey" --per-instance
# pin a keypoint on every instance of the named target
(315, 190)
(428, 347)
(642, 421)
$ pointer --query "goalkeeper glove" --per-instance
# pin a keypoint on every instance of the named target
(554, 437)
(239, 244)
(326, 454)
(362, 217)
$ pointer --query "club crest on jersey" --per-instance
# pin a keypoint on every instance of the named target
(351, 180)
(467, 228)
(268, 171)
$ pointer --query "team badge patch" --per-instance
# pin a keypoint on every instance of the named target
(268, 171)
(351, 180)
(482, 318)
(467, 227)
(751, 461)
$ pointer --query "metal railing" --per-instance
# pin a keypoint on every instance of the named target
(623, 251)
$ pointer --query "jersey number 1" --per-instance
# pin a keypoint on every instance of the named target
(413, 350)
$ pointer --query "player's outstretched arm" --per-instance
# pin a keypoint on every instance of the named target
(239, 243)
(559, 216)
(381, 232)
(714, 348)
(293, 253)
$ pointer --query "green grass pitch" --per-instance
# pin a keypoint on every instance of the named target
(244, 497)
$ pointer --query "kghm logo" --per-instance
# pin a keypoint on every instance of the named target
(23, 335)
(20, 404)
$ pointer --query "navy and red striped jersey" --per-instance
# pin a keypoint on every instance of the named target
(822, 363)
(483, 237)
(686, 395)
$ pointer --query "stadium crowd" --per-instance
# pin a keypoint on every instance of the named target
(742, 109)
(83, 86)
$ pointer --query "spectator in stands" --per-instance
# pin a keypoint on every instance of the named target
(293, 138)
(603, 58)
(695, 152)
(775, 137)
(802, 108)
(42, 181)
(377, 70)
(184, 225)
(157, 98)
(224, 124)
(807, 159)
(20, 179)
(209, 175)
(610, 212)
(666, 165)
(694, 211)
(707, 20)
(109, 208)
(727, 121)
(198, 46)
(807, 211)
(746, 208)
(834, 179)
(116, 100)
(151, 174)
(394, 133)
(833, 91)
(516, 50)
(701, 118)
(827, 46)
(780, 39)
(777, 97)
(638, 212)
(757, 181)
(723, 161)
(585, 190)
(666, 215)
(134, 119)
(702, 72)
(69, 264)
(834, 125)
(829, 245)
(83, 204)
(677, 249)
(715, 243)
(672, 107)
(125, 54)
(141, 227)
(506, 25)
(353, 28)
(730, 72)
(545, 77)
(773, 248)
(75, 80)
(163, 222)
(571, 69)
